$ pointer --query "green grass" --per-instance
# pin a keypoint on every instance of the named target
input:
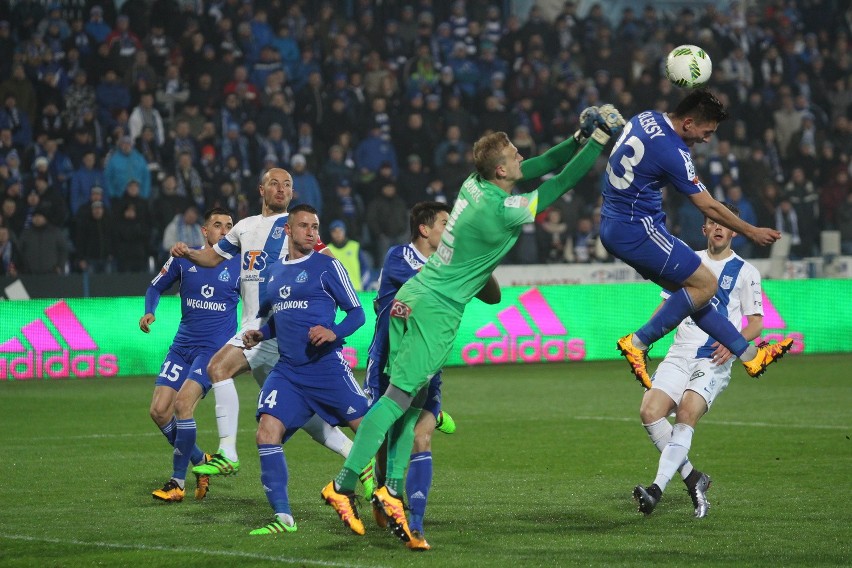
(539, 473)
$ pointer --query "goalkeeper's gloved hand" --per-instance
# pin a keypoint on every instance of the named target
(588, 119)
(611, 120)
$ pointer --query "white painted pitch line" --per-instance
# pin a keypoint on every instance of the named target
(230, 553)
(726, 423)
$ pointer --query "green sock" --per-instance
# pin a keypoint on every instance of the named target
(371, 433)
(400, 442)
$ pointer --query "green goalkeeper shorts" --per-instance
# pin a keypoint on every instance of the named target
(423, 328)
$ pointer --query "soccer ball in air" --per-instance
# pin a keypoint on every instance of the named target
(688, 66)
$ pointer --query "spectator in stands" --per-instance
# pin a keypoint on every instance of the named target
(44, 249)
(189, 182)
(348, 206)
(123, 165)
(348, 252)
(93, 238)
(9, 254)
(306, 188)
(86, 177)
(22, 90)
(373, 151)
(844, 225)
(387, 220)
(111, 97)
(131, 237)
(146, 114)
(184, 227)
(553, 236)
(802, 195)
(14, 118)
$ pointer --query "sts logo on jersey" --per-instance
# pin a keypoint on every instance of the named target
(254, 260)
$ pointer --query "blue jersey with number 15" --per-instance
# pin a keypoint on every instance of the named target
(648, 155)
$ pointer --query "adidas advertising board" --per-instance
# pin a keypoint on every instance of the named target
(83, 338)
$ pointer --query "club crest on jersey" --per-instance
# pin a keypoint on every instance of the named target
(302, 277)
(207, 291)
(726, 282)
(277, 232)
(399, 310)
(224, 276)
(284, 292)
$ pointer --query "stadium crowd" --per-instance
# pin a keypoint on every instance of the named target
(120, 127)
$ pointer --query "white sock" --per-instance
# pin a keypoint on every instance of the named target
(329, 436)
(286, 519)
(675, 454)
(750, 353)
(227, 415)
(638, 343)
(660, 433)
(180, 482)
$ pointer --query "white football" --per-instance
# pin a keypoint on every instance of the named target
(688, 66)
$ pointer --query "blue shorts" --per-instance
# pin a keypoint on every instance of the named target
(650, 249)
(326, 388)
(184, 363)
(377, 383)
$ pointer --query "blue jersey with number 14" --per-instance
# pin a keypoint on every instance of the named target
(648, 155)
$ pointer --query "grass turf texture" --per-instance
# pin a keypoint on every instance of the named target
(539, 473)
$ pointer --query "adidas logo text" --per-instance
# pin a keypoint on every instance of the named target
(47, 358)
(521, 343)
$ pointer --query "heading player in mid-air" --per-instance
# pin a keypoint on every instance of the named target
(302, 295)
(484, 225)
(652, 151)
(258, 241)
(697, 369)
(208, 303)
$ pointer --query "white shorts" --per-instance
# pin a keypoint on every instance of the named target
(262, 357)
(675, 375)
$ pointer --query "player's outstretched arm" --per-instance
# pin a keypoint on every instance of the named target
(714, 210)
(557, 156)
(207, 257)
(152, 299)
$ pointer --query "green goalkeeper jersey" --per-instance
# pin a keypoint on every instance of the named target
(485, 222)
(484, 225)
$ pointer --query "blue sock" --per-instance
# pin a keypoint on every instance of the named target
(169, 431)
(273, 476)
(720, 328)
(673, 311)
(417, 486)
(184, 444)
(197, 455)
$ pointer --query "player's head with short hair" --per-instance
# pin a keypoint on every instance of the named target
(718, 236)
(303, 229)
(276, 189)
(702, 106)
(425, 213)
(488, 154)
(217, 224)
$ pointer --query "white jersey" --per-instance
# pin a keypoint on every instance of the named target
(259, 241)
(739, 294)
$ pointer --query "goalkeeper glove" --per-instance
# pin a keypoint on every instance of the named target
(588, 120)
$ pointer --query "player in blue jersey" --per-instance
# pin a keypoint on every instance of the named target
(303, 292)
(208, 301)
(697, 369)
(427, 221)
(652, 151)
(259, 241)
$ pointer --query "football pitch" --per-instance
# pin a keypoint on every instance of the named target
(539, 473)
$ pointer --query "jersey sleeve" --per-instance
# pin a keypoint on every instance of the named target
(168, 275)
(336, 282)
(519, 209)
(680, 171)
(398, 268)
(751, 294)
(229, 245)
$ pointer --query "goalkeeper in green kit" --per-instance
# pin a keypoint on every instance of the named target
(425, 315)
